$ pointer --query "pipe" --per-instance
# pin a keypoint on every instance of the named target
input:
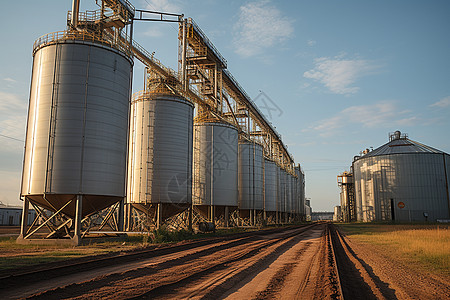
(75, 10)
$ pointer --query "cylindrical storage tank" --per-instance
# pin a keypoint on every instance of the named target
(288, 193)
(250, 180)
(283, 189)
(160, 159)
(77, 126)
(280, 188)
(270, 185)
(403, 181)
(295, 198)
(300, 192)
(215, 180)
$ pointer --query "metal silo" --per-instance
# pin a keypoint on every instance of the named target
(76, 145)
(283, 194)
(295, 204)
(270, 189)
(215, 168)
(402, 180)
(160, 154)
(288, 195)
(250, 182)
(300, 192)
(280, 194)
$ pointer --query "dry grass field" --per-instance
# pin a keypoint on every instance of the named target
(422, 245)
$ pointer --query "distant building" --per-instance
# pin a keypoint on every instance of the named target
(347, 196)
(308, 209)
(12, 215)
(337, 216)
(322, 216)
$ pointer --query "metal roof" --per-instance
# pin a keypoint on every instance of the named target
(402, 146)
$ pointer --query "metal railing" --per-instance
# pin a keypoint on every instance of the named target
(151, 58)
(89, 16)
(207, 41)
(128, 6)
(253, 106)
(61, 36)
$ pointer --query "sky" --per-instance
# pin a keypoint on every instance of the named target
(340, 75)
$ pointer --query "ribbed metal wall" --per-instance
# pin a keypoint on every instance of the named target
(288, 193)
(283, 190)
(77, 126)
(215, 180)
(295, 199)
(417, 180)
(160, 159)
(270, 185)
(251, 164)
(300, 192)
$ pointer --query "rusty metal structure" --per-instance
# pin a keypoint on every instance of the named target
(203, 69)
(347, 197)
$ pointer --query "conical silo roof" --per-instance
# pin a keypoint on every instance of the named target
(401, 144)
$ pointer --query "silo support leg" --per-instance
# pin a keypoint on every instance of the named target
(78, 211)
(121, 216)
(159, 216)
(127, 217)
(227, 216)
(190, 218)
(24, 225)
(212, 214)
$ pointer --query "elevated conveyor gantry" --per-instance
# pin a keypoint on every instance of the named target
(203, 68)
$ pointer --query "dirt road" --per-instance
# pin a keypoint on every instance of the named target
(304, 262)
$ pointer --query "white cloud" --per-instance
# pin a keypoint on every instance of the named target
(14, 126)
(260, 26)
(382, 114)
(339, 74)
(154, 33)
(10, 80)
(163, 6)
(13, 115)
(11, 102)
(444, 102)
(311, 43)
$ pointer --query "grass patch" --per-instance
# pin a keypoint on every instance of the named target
(423, 245)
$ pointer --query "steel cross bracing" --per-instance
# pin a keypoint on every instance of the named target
(202, 66)
(204, 80)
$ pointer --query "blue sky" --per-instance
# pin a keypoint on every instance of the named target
(343, 73)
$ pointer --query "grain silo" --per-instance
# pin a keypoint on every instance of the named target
(403, 180)
(283, 195)
(215, 168)
(76, 143)
(160, 155)
(271, 191)
(300, 192)
(250, 182)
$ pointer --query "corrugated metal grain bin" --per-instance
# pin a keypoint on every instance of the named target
(215, 179)
(402, 180)
(251, 161)
(271, 185)
(160, 159)
(77, 126)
